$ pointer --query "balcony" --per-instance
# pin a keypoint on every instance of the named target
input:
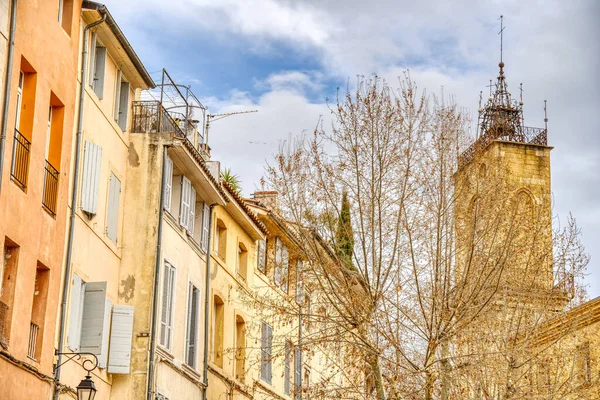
(33, 335)
(20, 162)
(524, 135)
(151, 117)
(50, 197)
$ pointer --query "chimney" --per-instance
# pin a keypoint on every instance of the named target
(215, 169)
(269, 199)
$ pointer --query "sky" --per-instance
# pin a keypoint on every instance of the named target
(287, 58)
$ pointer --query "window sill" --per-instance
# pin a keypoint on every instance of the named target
(165, 353)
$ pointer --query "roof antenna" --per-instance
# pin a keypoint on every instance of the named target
(545, 117)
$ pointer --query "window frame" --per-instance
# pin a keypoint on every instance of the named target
(166, 342)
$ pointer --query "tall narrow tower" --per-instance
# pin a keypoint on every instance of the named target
(503, 199)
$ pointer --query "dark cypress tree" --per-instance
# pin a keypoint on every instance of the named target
(344, 237)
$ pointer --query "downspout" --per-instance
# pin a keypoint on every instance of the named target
(9, 67)
(150, 388)
(206, 303)
(67, 278)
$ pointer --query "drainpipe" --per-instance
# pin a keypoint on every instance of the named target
(149, 391)
(206, 303)
(9, 67)
(67, 278)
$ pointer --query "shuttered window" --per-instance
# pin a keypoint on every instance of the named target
(205, 226)
(192, 326)
(286, 367)
(262, 256)
(168, 293)
(99, 69)
(117, 99)
(112, 207)
(297, 373)
(123, 105)
(95, 321)
(192, 215)
(184, 207)
(121, 334)
(281, 265)
(299, 277)
(266, 352)
(92, 160)
(168, 187)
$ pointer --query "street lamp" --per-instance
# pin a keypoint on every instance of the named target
(86, 390)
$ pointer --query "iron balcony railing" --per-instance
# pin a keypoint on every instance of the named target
(49, 200)
(20, 163)
(4, 324)
(529, 135)
(151, 117)
(33, 335)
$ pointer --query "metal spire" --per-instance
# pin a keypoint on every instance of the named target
(501, 34)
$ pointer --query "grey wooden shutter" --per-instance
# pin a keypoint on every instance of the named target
(299, 269)
(117, 96)
(121, 335)
(192, 215)
(270, 353)
(286, 374)
(112, 209)
(168, 183)
(92, 324)
(92, 66)
(278, 261)
(124, 105)
(164, 305)
(184, 208)
(92, 161)
(264, 353)
(167, 306)
(285, 263)
(297, 372)
(103, 356)
(99, 71)
(75, 309)
(192, 335)
(205, 227)
(262, 255)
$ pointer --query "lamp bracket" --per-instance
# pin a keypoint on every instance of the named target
(93, 364)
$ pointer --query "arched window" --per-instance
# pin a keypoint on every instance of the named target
(217, 331)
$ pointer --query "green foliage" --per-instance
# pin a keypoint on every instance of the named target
(232, 179)
(344, 236)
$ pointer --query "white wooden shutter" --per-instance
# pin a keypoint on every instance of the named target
(299, 278)
(262, 255)
(184, 208)
(205, 227)
(168, 182)
(124, 105)
(92, 161)
(285, 262)
(192, 215)
(192, 327)
(297, 372)
(117, 96)
(121, 335)
(92, 324)
(166, 327)
(99, 70)
(103, 356)
(263, 352)
(270, 352)
(112, 209)
(286, 367)
(75, 310)
(278, 261)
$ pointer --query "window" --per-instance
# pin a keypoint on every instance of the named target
(192, 326)
(583, 370)
(262, 256)
(38, 312)
(168, 185)
(168, 299)
(286, 367)
(218, 320)
(121, 101)
(221, 239)
(89, 318)
(97, 66)
(266, 352)
(19, 100)
(112, 207)
(54, 133)
(242, 261)
(90, 181)
(8, 273)
(297, 373)
(240, 354)
(187, 208)
(281, 265)
(65, 14)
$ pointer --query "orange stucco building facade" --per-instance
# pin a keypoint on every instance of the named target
(34, 191)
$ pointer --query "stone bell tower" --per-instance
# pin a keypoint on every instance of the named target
(503, 199)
